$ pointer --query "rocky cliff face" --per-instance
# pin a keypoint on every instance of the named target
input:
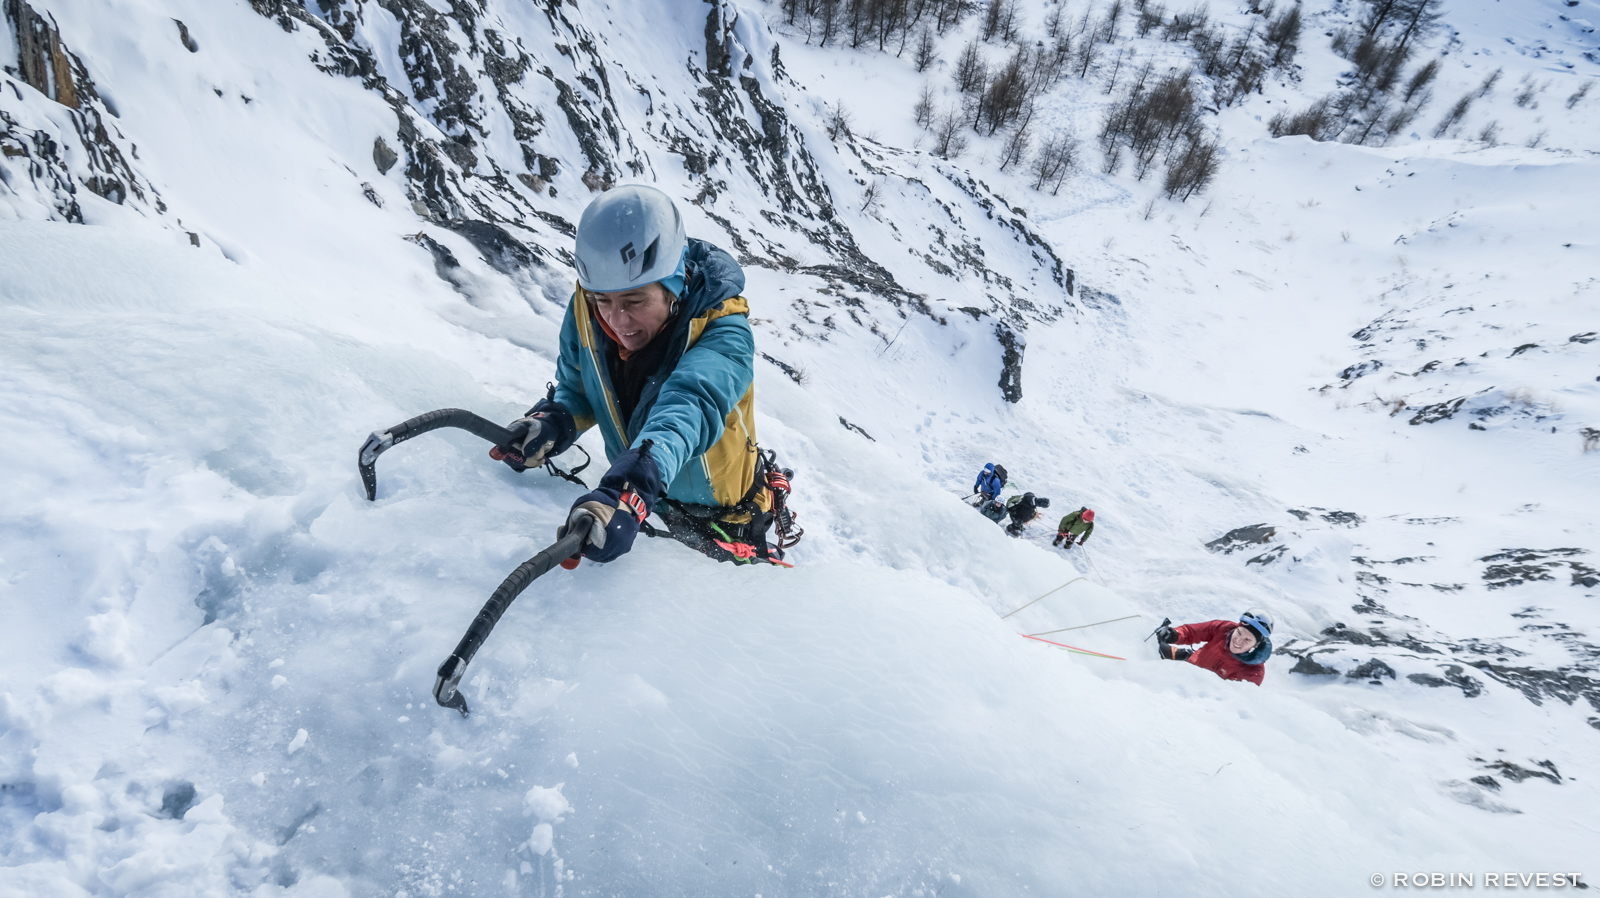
(509, 117)
(67, 138)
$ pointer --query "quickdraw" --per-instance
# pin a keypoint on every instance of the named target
(783, 520)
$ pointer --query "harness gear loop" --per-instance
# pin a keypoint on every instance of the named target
(782, 518)
(718, 532)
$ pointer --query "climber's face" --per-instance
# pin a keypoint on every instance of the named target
(635, 316)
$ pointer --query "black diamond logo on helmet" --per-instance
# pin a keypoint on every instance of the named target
(628, 254)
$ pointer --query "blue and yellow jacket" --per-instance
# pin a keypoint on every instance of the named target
(699, 407)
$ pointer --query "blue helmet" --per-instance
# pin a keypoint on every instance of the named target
(1259, 621)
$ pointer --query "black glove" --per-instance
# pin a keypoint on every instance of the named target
(1042, 503)
(613, 511)
(1166, 634)
(547, 429)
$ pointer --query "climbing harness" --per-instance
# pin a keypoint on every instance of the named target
(716, 532)
(699, 528)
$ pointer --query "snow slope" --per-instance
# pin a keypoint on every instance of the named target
(218, 655)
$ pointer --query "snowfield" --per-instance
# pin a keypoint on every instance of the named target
(216, 656)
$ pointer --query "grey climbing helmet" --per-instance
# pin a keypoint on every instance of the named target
(628, 237)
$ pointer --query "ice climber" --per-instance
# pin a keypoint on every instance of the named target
(1234, 650)
(1022, 509)
(1076, 526)
(991, 480)
(994, 510)
(656, 349)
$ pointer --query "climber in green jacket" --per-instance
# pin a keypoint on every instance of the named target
(1075, 527)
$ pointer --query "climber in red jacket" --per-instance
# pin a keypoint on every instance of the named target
(1234, 650)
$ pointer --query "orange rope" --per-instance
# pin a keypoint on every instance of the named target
(1072, 647)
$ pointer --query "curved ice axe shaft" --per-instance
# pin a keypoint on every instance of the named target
(447, 688)
(382, 441)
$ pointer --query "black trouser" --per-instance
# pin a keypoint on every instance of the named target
(1172, 652)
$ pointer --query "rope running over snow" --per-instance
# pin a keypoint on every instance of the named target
(1092, 566)
(1083, 626)
(1073, 648)
(1041, 598)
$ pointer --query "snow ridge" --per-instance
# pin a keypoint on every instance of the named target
(1365, 370)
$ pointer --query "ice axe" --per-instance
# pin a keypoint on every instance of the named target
(1165, 622)
(447, 688)
(382, 441)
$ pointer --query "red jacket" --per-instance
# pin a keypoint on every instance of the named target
(1214, 655)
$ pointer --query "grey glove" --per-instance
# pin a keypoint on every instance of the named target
(532, 438)
(541, 437)
(591, 517)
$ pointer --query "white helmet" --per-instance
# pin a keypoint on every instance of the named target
(628, 237)
(1257, 620)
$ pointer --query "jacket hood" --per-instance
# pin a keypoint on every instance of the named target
(712, 276)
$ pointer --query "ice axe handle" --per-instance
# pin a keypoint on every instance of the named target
(384, 440)
(1165, 622)
(446, 688)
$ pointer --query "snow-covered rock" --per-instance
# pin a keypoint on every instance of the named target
(237, 237)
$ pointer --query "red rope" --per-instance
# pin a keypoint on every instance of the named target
(1073, 647)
